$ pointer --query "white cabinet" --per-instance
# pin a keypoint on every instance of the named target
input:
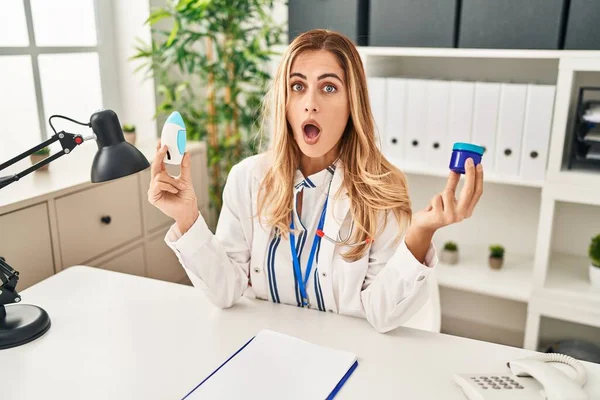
(98, 219)
(130, 262)
(66, 221)
(26, 245)
(162, 261)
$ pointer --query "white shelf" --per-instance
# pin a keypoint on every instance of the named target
(568, 283)
(473, 274)
(575, 192)
(474, 53)
(421, 169)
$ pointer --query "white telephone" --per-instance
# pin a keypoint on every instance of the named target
(533, 379)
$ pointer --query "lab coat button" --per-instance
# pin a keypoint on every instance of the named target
(324, 274)
(257, 270)
(420, 278)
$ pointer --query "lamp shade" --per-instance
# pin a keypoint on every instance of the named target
(115, 158)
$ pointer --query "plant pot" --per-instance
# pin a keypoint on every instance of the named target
(594, 273)
(130, 137)
(449, 257)
(496, 262)
(36, 158)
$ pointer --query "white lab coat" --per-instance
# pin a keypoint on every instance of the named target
(387, 286)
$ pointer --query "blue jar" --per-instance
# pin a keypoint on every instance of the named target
(461, 152)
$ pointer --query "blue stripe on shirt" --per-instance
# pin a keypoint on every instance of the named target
(269, 267)
(273, 270)
(321, 294)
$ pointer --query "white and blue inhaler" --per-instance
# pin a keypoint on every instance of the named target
(174, 136)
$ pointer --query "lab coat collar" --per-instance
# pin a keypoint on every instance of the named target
(339, 203)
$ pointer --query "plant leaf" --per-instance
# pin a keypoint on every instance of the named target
(173, 34)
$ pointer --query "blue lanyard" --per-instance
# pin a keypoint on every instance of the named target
(302, 282)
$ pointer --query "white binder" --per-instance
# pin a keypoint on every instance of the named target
(539, 108)
(485, 118)
(461, 112)
(511, 116)
(376, 87)
(437, 152)
(395, 118)
(415, 139)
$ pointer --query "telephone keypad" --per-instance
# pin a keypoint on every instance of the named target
(496, 382)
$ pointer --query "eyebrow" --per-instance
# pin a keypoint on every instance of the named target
(323, 76)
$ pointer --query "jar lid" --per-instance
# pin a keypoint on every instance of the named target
(468, 147)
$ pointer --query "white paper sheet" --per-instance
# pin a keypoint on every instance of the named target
(277, 366)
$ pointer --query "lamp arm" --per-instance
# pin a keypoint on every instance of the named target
(68, 142)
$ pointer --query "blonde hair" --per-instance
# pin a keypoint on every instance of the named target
(372, 182)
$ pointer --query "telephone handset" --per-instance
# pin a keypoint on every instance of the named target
(533, 379)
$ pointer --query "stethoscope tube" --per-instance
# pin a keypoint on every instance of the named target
(341, 241)
(322, 235)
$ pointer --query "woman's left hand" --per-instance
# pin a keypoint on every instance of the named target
(444, 209)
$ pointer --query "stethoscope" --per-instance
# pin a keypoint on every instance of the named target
(339, 241)
(345, 241)
(303, 281)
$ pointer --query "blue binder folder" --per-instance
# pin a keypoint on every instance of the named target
(274, 366)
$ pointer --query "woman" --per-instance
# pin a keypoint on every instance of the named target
(322, 219)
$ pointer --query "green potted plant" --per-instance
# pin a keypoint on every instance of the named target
(210, 61)
(449, 253)
(39, 156)
(496, 258)
(594, 254)
(129, 132)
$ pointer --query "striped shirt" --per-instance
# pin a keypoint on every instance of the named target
(283, 284)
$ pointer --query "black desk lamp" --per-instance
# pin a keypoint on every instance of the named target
(115, 158)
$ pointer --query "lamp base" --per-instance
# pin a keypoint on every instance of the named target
(22, 324)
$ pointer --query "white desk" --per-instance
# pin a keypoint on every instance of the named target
(117, 336)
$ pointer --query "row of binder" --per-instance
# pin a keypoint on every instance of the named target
(419, 120)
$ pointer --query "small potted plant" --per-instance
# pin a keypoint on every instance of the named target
(594, 254)
(129, 132)
(496, 258)
(449, 253)
(39, 156)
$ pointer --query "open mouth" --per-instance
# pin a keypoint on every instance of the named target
(312, 131)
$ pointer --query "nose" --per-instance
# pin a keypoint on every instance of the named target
(311, 103)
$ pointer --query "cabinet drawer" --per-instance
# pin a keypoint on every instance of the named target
(131, 262)
(26, 245)
(98, 219)
(162, 261)
(153, 217)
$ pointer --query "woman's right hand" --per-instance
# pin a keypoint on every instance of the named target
(174, 196)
